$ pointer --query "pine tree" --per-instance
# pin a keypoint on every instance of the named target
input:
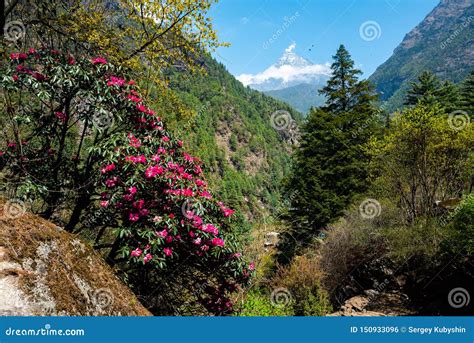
(425, 89)
(466, 102)
(343, 90)
(330, 166)
(448, 96)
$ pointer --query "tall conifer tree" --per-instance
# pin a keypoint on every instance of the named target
(330, 165)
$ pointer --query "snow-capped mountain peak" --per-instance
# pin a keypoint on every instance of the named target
(292, 59)
(290, 70)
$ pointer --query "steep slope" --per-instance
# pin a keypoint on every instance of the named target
(443, 43)
(46, 271)
(243, 148)
(302, 97)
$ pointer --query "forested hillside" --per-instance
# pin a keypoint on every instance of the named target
(245, 148)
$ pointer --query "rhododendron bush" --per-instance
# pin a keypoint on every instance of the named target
(174, 242)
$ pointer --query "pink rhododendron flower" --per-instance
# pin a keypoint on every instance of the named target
(200, 183)
(134, 98)
(111, 182)
(148, 257)
(252, 266)
(141, 159)
(139, 204)
(205, 194)
(99, 60)
(168, 251)
(218, 242)
(107, 168)
(115, 81)
(136, 253)
(134, 142)
(227, 212)
(133, 217)
(142, 108)
(21, 56)
(187, 192)
(197, 221)
(162, 233)
(104, 203)
(165, 139)
(186, 176)
(132, 190)
(153, 171)
(205, 247)
(211, 229)
(197, 241)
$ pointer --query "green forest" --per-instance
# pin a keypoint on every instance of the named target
(206, 197)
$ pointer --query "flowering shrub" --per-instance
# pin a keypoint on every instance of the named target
(166, 219)
(58, 111)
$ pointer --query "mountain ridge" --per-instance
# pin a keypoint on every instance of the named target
(442, 42)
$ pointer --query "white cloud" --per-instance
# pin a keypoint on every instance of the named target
(287, 74)
(290, 48)
(290, 69)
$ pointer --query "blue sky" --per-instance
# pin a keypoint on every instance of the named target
(260, 30)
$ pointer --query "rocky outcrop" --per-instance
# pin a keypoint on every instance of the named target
(46, 271)
(373, 303)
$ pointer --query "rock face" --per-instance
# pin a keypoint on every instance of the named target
(46, 271)
(373, 303)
